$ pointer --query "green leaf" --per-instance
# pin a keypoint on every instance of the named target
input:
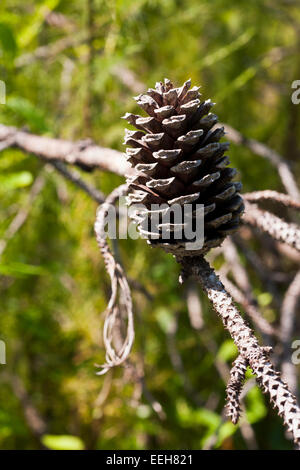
(143, 411)
(32, 29)
(255, 409)
(21, 270)
(201, 416)
(207, 418)
(227, 351)
(12, 181)
(32, 116)
(264, 299)
(7, 39)
(164, 318)
(225, 51)
(11, 157)
(226, 430)
(239, 82)
(63, 442)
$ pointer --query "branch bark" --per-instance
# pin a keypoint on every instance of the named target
(284, 199)
(234, 388)
(34, 419)
(82, 153)
(117, 347)
(277, 228)
(266, 375)
(75, 178)
(259, 321)
(275, 158)
(287, 323)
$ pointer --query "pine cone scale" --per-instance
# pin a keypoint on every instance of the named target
(179, 160)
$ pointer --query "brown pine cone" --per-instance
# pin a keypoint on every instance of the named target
(179, 160)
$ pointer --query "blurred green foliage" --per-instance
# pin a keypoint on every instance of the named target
(53, 285)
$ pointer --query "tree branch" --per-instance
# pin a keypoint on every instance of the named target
(234, 388)
(77, 153)
(272, 225)
(120, 294)
(266, 375)
(34, 420)
(51, 50)
(284, 199)
(75, 178)
(287, 322)
(262, 150)
(250, 309)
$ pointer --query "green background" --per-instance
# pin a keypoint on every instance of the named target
(53, 285)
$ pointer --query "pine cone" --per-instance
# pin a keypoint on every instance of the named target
(179, 160)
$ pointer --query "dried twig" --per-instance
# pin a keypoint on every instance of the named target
(194, 306)
(234, 387)
(104, 392)
(265, 275)
(75, 178)
(244, 295)
(262, 150)
(52, 50)
(233, 260)
(128, 78)
(154, 403)
(286, 250)
(137, 372)
(65, 93)
(273, 225)
(251, 310)
(21, 216)
(60, 21)
(287, 322)
(245, 427)
(90, 26)
(284, 199)
(139, 287)
(266, 375)
(120, 295)
(34, 420)
(177, 362)
(81, 153)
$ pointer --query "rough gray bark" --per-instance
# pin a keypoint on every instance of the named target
(287, 324)
(266, 375)
(277, 228)
(84, 153)
(234, 388)
(258, 148)
(284, 199)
